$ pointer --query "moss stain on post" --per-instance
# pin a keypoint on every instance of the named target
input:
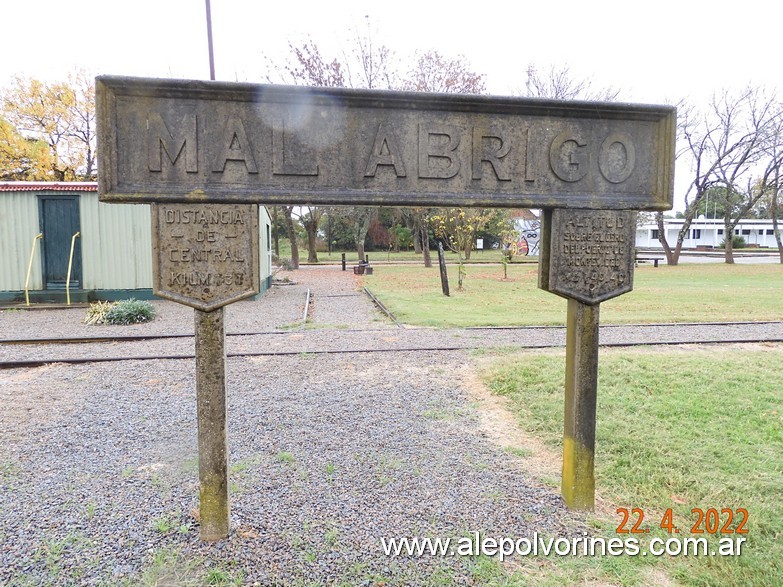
(581, 387)
(211, 415)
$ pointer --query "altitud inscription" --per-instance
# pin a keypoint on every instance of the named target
(169, 140)
(591, 254)
(205, 255)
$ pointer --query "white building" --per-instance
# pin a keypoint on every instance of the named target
(706, 232)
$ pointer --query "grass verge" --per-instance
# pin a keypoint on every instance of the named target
(380, 256)
(679, 429)
(683, 293)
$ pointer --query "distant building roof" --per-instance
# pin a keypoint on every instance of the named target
(57, 186)
(523, 214)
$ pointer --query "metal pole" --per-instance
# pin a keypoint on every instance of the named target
(30, 269)
(581, 385)
(444, 275)
(209, 42)
(211, 416)
(70, 265)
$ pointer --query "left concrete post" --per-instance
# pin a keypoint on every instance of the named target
(211, 416)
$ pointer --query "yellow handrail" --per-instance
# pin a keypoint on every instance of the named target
(70, 263)
(29, 269)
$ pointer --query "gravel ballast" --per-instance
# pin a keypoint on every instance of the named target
(329, 452)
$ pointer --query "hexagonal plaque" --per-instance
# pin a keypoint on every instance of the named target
(591, 254)
(205, 255)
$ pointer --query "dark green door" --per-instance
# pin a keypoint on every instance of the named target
(59, 217)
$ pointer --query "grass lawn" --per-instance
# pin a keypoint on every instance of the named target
(324, 258)
(677, 429)
(683, 293)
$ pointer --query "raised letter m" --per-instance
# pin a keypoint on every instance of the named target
(161, 139)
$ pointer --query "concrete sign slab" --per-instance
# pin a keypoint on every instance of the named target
(193, 141)
(205, 255)
(591, 254)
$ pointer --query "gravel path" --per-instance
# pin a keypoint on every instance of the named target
(329, 452)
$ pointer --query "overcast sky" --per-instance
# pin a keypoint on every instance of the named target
(653, 51)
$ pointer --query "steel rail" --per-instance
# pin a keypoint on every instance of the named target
(138, 337)
(383, 308)
(467, 347)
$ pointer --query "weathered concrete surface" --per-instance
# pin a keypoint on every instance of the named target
(581, 386)
(191, 141)
(592, 254)
(211, 416)
(205, 255)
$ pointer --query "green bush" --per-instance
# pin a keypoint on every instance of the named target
(125, 312)
(737, 242)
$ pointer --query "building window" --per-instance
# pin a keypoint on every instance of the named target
(654, 234)
(720, 231)
(696, 233)
(770, 231)
(746, 232)
(736, 231)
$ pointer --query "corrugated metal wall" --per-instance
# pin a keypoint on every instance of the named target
(18, 227)
(264, 250)
(116, 248)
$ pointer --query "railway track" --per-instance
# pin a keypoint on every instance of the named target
(379, 340)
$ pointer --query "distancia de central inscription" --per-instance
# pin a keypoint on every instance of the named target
(591, 254)
(205, 255)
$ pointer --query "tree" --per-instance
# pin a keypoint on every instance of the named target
(457, 227)
(371, 65)
(421, 232)
(744, 187)
(433, 72)
(22, 159)
(725, 144)
(289, 227)
(310, 217)
(774, 212)
(308, 66)
(62, 114)
(362, 218)
(558, 84)
(278, 226)
(82, 114)
(770, 183)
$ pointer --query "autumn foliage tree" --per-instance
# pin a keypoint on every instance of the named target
(61, 115)
(457, 228)
(22, 159)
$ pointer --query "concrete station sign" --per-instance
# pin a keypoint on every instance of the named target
(588, 255)
(205, 153)
(205, 255)
(186, 141)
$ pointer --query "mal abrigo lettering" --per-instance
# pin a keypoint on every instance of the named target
(424, 151)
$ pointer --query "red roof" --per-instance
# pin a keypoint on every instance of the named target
(57, 186)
